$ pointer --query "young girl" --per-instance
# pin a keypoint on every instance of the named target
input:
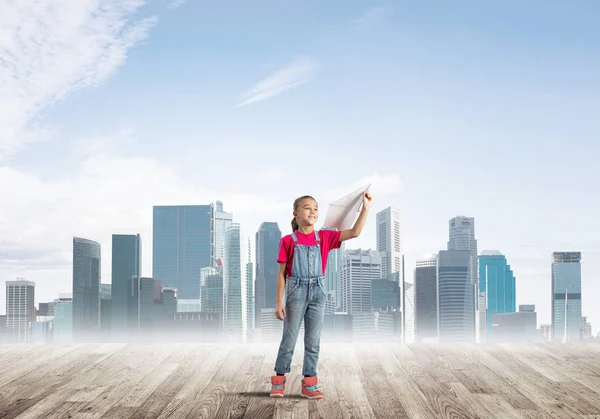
(302, 262)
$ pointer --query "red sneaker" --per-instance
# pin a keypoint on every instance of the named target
(310, 388)
(277, 385)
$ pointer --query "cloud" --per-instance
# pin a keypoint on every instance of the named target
(373, 18)
(107, 193)
(292, 75)
(51, 48)
(175, 4)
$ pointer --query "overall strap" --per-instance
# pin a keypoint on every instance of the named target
(317, 236)
(294, 237)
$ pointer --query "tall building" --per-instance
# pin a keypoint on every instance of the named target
(546, 331)
(63, 318)
(566, 296)
(498, 286)
(333, 271)
(183, 243)
(86, 287)
(360, 268)
(221, 222)
(462, 237)
(211, 286)
(389, 240)
(105, 308)
(268, 237)
(456, 321)
(20, 309)
(426, 305)
(237, 257)
(586, 329)
(385, 293)
(513, 326)
(126, 263)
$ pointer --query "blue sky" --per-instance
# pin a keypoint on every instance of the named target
(460, 108)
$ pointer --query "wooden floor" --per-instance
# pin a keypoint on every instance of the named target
(359, 381)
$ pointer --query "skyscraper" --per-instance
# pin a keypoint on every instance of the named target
(359, 269)
(126, 262)
(222, 221)
(462, 237)
(86, 287)
(333, 271)
(389, 240)
(237, 257)
(426, 304)
(497, 285)
(566, 296)
(20, 309)
(183, 243)
(456, 322)
(267, 268)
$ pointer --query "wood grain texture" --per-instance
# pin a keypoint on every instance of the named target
(187, 380)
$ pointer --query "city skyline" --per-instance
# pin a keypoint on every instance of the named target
(446, 110)
(252, 257)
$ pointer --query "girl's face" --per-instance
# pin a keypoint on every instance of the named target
(307, 212)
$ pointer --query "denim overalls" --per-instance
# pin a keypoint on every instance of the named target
(305, 300)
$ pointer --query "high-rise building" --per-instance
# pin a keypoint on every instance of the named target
(86, 287)
(63, 318)
(566, 296)
(268, 237)
(222, 221)
(456, 322)
(426, 304)
(518, 326)
(462, 237)
(586, 329)
(211, 286)
(237, 258)
(20, 309)
(105, 308)
(546, 331)
(389, 240)
(333, 270)
(126, 266)
(385, 293)
(497, 285)
(183, 243)
(360, 268)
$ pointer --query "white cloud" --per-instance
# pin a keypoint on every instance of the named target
(106, 194)
(175, 4)
(373, 18)
(50, 48)
(292, 75)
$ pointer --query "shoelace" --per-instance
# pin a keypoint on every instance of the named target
(277, 386)
(313, 388)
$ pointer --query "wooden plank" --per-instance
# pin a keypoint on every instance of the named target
(140, 360)
(188, 357)
(82, 387)
(479, 378)
(381, 396)
(49, 379)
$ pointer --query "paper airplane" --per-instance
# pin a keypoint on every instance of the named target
(342, 213)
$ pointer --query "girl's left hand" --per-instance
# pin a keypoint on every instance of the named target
(367, 200)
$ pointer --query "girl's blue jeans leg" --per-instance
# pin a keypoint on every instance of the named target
(313, 323)
(294, 312)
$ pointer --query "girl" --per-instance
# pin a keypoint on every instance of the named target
(302, 262)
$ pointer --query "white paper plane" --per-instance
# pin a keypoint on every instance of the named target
(343, 212)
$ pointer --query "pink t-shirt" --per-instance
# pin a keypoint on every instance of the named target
(329, 239)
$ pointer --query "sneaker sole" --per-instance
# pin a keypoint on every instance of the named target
(312, 397)
(278, 396)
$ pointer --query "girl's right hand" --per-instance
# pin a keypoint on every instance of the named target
(280, 311)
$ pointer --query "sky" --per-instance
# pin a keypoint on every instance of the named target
(108, 107)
